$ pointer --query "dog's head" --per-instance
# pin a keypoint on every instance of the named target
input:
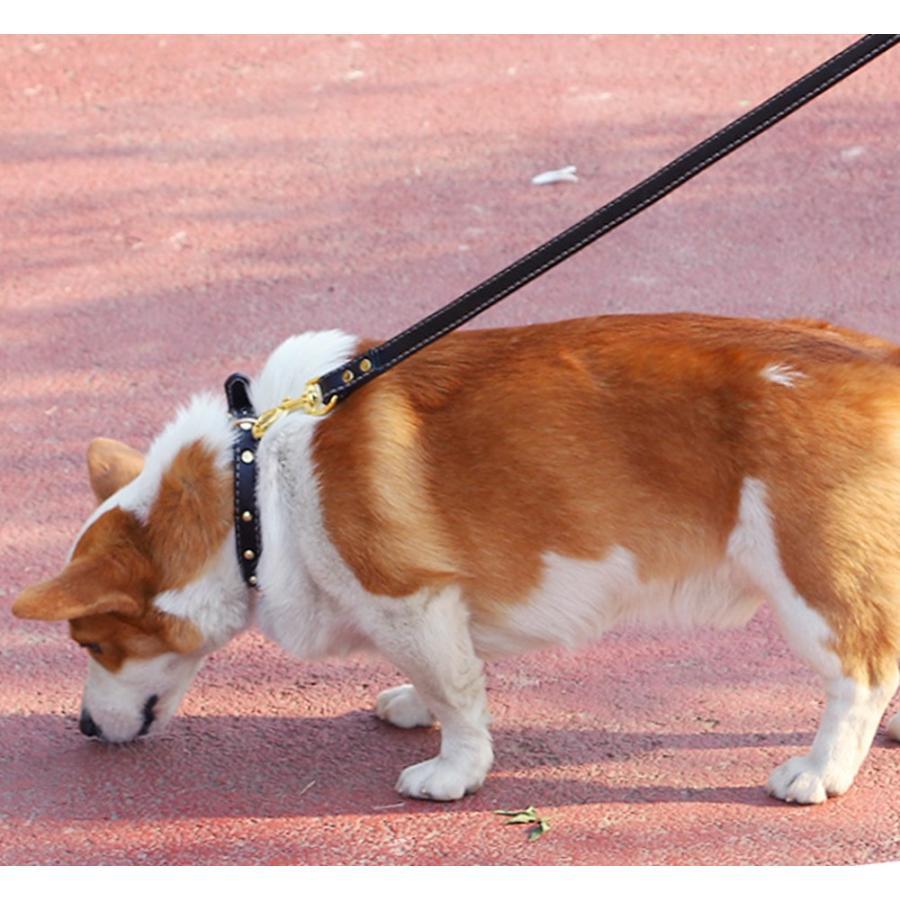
(143, 585)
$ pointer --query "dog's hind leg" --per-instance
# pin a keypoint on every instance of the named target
(858, 690)
(427, 638)
(843, 623)
(852, 713)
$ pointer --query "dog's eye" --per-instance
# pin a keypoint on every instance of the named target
(94, 648)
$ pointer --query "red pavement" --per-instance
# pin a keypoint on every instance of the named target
(174, 207)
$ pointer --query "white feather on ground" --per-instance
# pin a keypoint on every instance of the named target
(567, 173)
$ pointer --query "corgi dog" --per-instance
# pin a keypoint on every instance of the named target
(504, 490)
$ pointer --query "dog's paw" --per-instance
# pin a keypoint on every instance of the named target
(403, 707)
(800, 780)
(440, 779)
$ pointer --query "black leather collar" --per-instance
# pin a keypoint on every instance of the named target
(246, 514)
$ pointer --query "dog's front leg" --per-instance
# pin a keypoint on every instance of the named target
(427, 638)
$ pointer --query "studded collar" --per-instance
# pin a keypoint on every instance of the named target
(247, 535)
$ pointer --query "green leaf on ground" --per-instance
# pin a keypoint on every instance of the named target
(530, 814)
(542, 827)
(523, 818)
(527, 816)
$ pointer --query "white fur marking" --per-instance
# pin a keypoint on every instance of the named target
(578, 600)
(779, 373)
(753, 545)
(216, 604)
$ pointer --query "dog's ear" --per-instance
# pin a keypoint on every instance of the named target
(77, 591)
(111, 465)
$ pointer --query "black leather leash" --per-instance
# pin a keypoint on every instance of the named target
(340, 383)
(323, 393)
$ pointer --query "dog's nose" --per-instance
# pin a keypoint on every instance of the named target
(149, 715)
(87, 726)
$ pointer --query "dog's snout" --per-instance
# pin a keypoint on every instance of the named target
(87, 726)
(149, 715)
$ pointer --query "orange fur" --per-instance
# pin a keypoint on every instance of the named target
(485, 451)
(190, 517)
(111, 465)
(120, 564)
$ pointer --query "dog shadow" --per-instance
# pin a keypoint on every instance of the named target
(280, 766)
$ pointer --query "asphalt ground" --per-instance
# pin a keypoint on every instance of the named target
(174, 207)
